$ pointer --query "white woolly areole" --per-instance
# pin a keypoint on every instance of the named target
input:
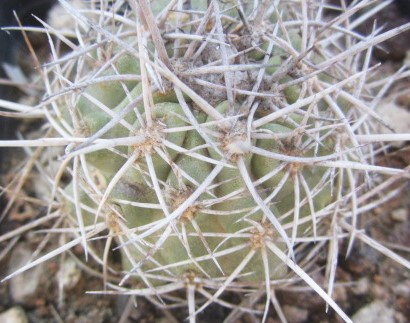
(238, 147)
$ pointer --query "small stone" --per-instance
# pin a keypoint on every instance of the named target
(374, 312)
(361, 287)
(396, 117)
(69, 274)
(23, 287)
(295, 314)
(400, 318)
(378, 291)
(402, 289)
(399, 215)
(14, 315)
(59, 19)
(339, 294)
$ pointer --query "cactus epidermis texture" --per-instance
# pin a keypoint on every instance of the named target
(219, 144)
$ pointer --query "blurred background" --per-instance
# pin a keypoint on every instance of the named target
(12, 45)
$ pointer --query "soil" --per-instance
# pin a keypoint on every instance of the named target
(365, 276)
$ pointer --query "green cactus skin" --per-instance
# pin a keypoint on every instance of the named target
(228, 208)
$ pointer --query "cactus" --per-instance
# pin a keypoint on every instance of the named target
(217, 145)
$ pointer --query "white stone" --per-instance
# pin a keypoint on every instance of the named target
(361, 287)
(23, 286)
(399, 215)
(377, 311)
(395, 117)
(14, 315)
(61, 20)
(402, 289)
(295, 314)
(69, 274)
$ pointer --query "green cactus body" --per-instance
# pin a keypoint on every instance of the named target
(225, 216)
(180, 184)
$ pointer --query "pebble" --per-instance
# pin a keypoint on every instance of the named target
(295, 314)
(378, 291)
(15, 314)
(69, 274)
(402, 289)
(394, 116)
(361, 287)
(399, 215)
(340, 294)
(376, 311)
(23, 287)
